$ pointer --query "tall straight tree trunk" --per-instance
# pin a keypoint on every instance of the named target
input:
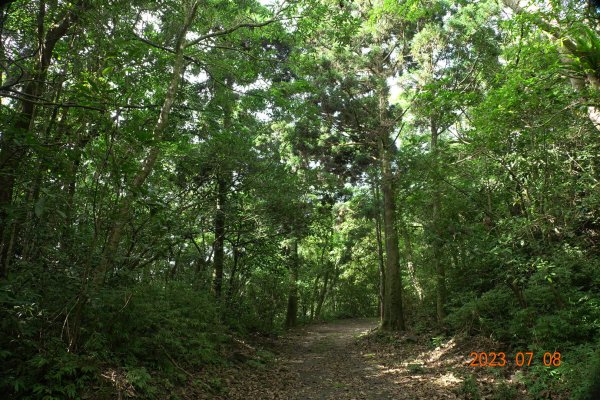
(380, 255)
(314, 298)
(393, 312)
(439, 267)
(231, 286)
(219, 237)
(70, 183)
(223, 178)
(292, 305)
(323, 294)
(410, 264)
(319, 296)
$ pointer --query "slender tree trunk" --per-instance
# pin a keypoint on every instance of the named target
(323, 294)
(232, 277)
(201, 263)
(219, 237)
(410, 264)
(439, 267)
(393, 316)
(518, 292)
(71, 184)
(315, 292)
(393, 312)
(223, 179)
(175, 269)
(380, 255)
(292, 306)
(324, 250)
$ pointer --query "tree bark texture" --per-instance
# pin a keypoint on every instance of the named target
(292, 305)
(393, 311)
(219, 244)
(439, 267)
(380, 254)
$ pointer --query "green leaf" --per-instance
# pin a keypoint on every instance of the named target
(18, 385)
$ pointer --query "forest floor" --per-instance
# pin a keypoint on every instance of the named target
(348, 359)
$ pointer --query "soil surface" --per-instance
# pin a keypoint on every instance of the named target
(348, 359)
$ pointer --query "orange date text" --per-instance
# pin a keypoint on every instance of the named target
(520, 359)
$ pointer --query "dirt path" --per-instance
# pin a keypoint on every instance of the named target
(336, 361)
(329, 365)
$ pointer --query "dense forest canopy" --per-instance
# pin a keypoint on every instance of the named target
(177, 174)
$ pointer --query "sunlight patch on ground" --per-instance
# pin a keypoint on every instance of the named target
(437, 353)
(387, 370)
(448, 379)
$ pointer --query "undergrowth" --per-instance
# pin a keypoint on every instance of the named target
(144, 343)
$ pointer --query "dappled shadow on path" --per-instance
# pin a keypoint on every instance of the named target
(335, 361)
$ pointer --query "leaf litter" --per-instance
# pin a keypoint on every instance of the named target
(352, 359)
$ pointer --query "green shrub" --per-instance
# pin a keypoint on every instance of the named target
(469, 390)
(504, 391)
(487, 314)
(583, 373)
(134, 341)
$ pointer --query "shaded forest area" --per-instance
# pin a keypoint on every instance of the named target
(178, 176)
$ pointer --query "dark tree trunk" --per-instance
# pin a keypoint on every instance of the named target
(231, 287)
(410, 265)
(380, 254)
(292, 306)
(393, 316)
(323, 294)
(393, 312)
(219, 250)
(439, 267)
(315, 292)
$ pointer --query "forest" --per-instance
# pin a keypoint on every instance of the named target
(300, 199)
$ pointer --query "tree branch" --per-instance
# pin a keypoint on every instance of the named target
(230, 30)
(167, 49)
